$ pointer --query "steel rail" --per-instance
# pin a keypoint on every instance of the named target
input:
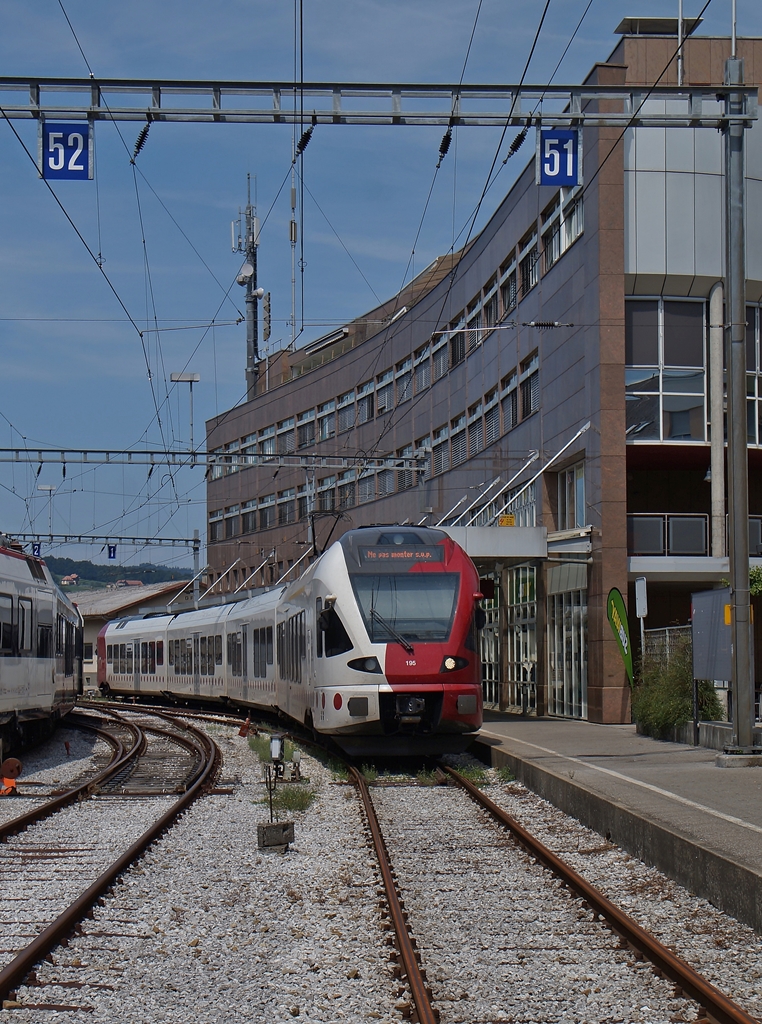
(121, 757)
(717, 1005)
(15, 972)
(418, 988)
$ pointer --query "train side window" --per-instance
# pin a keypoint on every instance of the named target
(269, 645)
(152, 657)
(336, 640)
(25, 624)
(160, 652)
(143, 657)
(195, 665)
(6, 623)
(87, 652)
(302, 636)
(128, 664)
(122, 659)
(109, 652)
(44, 641)
(218, 649)
(203, 655)
(318, 630)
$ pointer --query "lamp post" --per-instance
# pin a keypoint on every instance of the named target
(190, 379)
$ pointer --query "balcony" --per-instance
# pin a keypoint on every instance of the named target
(667, 534)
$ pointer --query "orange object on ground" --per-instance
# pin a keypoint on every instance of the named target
(244, 730)
(10, 770)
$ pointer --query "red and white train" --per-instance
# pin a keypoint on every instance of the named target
(375, 645)
(40, 650)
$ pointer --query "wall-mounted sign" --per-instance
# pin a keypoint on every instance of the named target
(507, 520)
(65, 150)
(559, 156)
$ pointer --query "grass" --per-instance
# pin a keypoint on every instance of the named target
(293, 797)
(427, 778)
(370, 772)
(504, 774)
(260, 744)
(475, 773)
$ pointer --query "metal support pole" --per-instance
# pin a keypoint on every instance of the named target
(738, 467)
(252, 313)
(716, 418)
(196, 563)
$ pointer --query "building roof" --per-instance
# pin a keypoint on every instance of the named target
(109, 604)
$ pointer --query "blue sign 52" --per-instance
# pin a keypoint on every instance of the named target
(65, 150)
(558, 157)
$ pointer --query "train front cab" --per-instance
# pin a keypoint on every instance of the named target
(397, 670)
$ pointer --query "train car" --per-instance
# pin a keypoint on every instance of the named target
(375, 646)
(40, 650)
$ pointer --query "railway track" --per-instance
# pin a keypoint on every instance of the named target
(482, 937)
(64, 855)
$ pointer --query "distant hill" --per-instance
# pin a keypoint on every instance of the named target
(102, 575)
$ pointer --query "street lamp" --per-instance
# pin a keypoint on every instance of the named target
(190, 379)
(51, 489)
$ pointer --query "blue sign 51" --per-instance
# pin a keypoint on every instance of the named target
(559, 152)
(65, 150)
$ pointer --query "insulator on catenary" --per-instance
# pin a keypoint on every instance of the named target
(444, 145)
(141, 141)
(305, 139)
(518, 141)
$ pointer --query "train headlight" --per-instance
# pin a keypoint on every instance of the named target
(365, 665)
(452, 664)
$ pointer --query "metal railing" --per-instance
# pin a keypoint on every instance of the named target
(667, 534)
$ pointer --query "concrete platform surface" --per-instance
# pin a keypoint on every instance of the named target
(666, 803)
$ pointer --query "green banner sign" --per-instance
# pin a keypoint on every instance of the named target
(617, 614)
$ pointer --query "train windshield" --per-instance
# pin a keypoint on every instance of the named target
(416, 606)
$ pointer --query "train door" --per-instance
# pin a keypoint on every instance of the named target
(245, 661)
(196, 668)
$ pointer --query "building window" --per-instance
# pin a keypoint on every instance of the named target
(216, 526)
(510, 401)
(422, 369)
(404, 373)
(230, 458)
(571, 497)
(439, 359)
(366, 488)
(249, 517)
(231, 522)
(508, 289)
(346, 411)
(326, 421)
(326, 496)
(365, 402)
(490, 311)
(267, 512)
(457, 347)
(551, 233)
(528, 259)
(440, 451)
(286, 439)
(491, 417)
(385, 482)
(665, 382)
(458, 434)
(473, 324)
(305, 429)
(286, 507)
(529, 382)
(405, 477)
(347, 489)
(267, 441)
(475, 430)
(384, 392)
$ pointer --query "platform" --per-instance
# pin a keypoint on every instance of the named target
(666, 803)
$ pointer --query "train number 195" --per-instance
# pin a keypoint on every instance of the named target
(65, 150)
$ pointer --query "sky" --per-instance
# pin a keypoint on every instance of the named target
(77, 373)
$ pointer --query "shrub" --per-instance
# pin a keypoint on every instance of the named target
(370, 772)
(292, 797)
(505, 774)
(663, 697)
(427, 778)
(475, 773)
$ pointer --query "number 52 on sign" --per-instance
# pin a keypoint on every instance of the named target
(65, 150)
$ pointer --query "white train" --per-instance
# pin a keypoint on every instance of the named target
(375, 645)
(40, 650)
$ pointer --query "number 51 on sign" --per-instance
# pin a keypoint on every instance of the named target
(65, 150)
(559, 156)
